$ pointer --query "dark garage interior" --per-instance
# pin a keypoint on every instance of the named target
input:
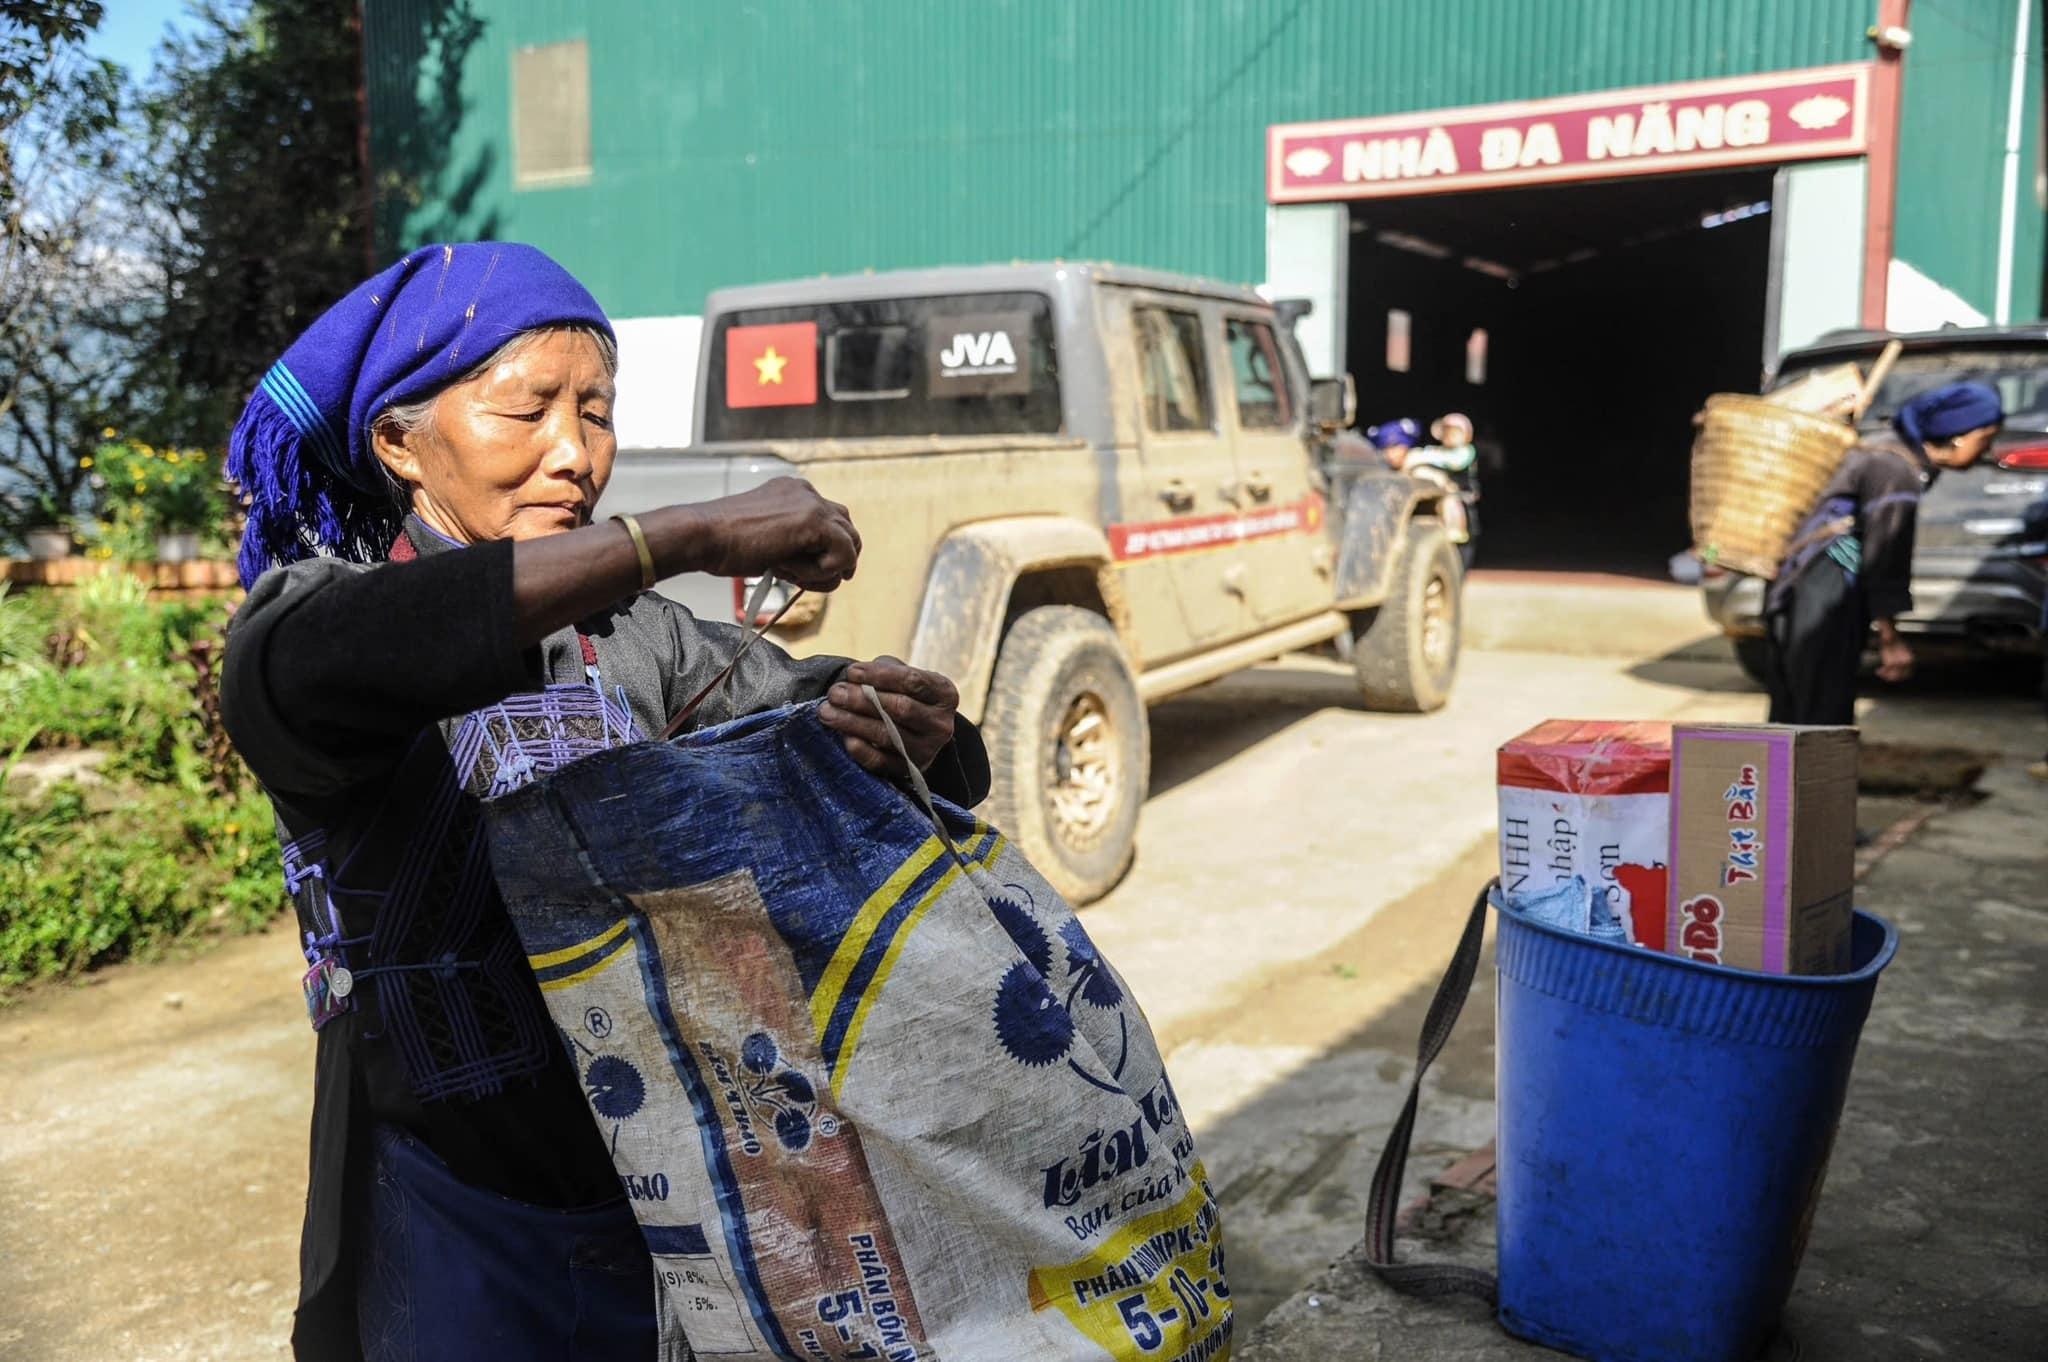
(1580, 327)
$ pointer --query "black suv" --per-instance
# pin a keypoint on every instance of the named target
(1980, 557)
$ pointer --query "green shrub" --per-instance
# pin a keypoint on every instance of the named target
(167, 489)
(178, 839)
(104, 666)
(92, 876)
(142, 716)
(25, 624)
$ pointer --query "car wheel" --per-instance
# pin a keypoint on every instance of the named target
(1405, 654)
(1753, 655)
(1070, 749)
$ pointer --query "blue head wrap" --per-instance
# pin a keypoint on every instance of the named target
(1404, 432)
(301, 452)
(1944, 413)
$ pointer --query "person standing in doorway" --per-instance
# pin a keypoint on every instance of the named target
(1851, 563)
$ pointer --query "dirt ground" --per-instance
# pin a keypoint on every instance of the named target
(1304, 867)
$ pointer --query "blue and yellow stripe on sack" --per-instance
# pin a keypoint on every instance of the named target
(584, 960)
(867, 953)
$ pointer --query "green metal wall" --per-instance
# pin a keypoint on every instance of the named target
(740, 140)
(1958, 83)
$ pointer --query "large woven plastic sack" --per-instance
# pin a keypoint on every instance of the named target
(872, 1091)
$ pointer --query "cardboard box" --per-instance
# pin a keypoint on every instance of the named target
(1763, 846)
(1590, 798)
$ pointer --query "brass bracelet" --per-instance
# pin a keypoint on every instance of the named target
(647, 577)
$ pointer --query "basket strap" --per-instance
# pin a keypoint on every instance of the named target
(1384, 1205)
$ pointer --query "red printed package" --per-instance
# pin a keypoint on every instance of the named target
(1590, 798)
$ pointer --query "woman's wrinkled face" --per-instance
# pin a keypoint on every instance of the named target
(520, 451)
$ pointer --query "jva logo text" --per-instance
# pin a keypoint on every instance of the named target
(980, 352)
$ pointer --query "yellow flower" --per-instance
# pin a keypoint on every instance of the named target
(109, 433)
(171, 456)
(233, 829)
(140, 485)
(85, 462)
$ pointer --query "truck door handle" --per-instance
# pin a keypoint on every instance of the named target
(1177, 494)
(1259, 485)
(1231, 490)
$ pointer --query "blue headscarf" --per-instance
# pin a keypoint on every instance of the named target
(301, 452)
(1405, 432)
(1944, 413)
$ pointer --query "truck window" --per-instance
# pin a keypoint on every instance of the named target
(1261, 379)
(1170, 361)
(2020, 373)
(869, 363)
(965, 364)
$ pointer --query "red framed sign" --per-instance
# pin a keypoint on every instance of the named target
(1785, 116)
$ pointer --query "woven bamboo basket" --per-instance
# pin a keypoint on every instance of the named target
(1757, 470)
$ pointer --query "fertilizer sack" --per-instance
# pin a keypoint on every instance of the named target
(870, 1087)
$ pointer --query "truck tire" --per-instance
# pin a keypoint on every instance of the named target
(1753, 655)
(1069, 747)
(1405, 653)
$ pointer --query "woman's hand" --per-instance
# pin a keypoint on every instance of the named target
(922, 703)
(1894, 659)
(783, 528)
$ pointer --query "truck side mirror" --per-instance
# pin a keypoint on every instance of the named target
(1288, 311)
(1333, 402)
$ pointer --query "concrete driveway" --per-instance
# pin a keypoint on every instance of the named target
(1303, 869)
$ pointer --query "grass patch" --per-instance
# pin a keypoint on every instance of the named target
(90, 875)
(176, 838)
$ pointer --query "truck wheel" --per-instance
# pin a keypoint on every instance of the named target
(1071, 752)
(1406, 652)
(1753, 655)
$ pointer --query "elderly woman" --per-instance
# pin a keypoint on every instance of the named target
(424, 583)
(1851, 564)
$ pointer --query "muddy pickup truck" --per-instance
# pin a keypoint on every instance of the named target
(1081, 489)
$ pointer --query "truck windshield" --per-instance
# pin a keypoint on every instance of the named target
(964, 364)
(2020, 374)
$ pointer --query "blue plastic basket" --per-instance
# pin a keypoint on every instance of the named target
(1664, 1129)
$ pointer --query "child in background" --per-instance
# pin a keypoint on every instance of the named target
(1396, 440)
(1448, 463)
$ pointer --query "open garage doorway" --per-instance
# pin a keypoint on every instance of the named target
(1580, 326)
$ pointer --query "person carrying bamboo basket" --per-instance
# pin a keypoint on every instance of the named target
(1850, 564)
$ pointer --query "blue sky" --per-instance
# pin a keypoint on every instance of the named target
(132, 29)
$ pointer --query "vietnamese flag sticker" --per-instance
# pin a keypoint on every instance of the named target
(772, 366)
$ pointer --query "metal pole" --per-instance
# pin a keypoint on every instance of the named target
(2008, 207)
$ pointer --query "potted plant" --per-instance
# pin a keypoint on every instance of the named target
(48, 535)
(175, 494)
